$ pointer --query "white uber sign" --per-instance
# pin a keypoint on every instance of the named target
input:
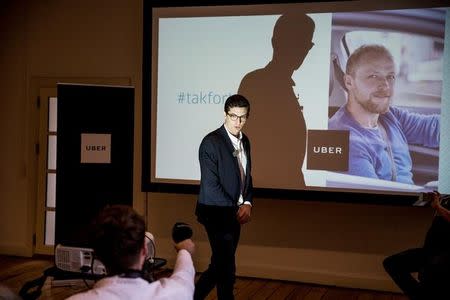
(95, 148)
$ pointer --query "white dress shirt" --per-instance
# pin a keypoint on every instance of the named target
(237, 144)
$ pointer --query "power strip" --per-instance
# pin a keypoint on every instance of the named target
(72, 282)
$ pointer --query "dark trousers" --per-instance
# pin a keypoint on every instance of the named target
(432, 262)
(223, 231)
(400, 267)
(433, 273)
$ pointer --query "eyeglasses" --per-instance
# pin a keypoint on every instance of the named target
(234, 117)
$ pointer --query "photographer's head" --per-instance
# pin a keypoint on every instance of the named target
(119, 242)
(118, 239)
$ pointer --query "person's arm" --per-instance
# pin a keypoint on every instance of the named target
(419, 129)
(180, 285)
(187, 245)
(244, 213)
(361, 161)
(184, 264)
(362, 155)
(436, 204)
(209, 167)
(445, 213)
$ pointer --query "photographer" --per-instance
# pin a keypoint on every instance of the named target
(119, 243)
(431, 262)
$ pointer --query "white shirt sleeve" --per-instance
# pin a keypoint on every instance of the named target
(179, 286)
(183, 272)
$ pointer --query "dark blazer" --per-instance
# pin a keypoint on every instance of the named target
(220, 179)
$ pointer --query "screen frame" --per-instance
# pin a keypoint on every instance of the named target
(147, 185)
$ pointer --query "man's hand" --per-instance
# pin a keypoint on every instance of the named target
(244, 213)
(187, 244)
(436, 202)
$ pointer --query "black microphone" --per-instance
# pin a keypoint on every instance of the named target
(181, 231)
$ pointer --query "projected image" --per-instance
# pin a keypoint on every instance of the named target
(340, 101)
(386, 93)
(276, 62)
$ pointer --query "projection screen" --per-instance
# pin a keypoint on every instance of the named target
(195, 56)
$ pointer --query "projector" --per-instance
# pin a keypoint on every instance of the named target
(78, 260)
(81, 260)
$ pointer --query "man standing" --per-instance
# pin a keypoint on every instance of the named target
(379, 132)
(225, 199)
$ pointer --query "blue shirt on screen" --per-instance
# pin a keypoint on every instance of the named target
(371, 154)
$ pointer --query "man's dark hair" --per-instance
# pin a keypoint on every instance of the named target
(236, 101)
(118, 236)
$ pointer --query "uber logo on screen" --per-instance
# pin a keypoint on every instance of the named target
(328, 150)
(95, 148)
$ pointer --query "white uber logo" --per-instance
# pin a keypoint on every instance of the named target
(95, 148)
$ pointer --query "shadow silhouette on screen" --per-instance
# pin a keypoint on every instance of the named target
(277, 126)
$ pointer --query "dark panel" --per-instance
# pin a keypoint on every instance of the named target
(82, 189)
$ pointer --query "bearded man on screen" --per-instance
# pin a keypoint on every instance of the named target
(379, 132)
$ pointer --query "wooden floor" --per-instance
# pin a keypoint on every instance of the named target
(16, 271)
